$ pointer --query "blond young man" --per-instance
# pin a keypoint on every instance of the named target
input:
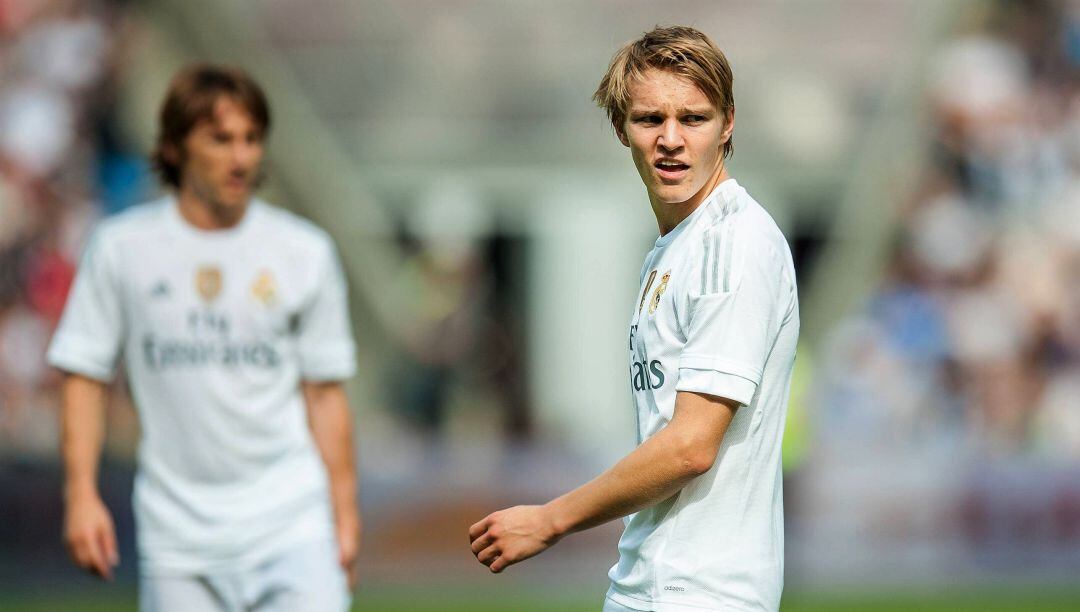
(230, 316)
(711, 349)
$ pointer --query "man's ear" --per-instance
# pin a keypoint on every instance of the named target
(172, 154)
(729, 124)
(620, 131)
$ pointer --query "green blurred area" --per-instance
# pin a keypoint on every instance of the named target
(1028, 600)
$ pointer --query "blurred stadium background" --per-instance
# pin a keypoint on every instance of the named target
(923, 158)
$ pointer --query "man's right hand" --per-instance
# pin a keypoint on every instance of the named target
(90, 536)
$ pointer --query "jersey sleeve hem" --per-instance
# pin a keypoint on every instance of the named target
(723, 366)
(336, 363)
(721, 384)
(70, 357)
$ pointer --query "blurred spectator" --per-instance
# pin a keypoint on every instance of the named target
(459, 350)
(977, 329)
(57, 63)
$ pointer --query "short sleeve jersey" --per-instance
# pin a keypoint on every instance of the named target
(216, 330)
(716, 313)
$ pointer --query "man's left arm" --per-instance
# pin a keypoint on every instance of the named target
(657, 469)
(331, 428)
(729, 334)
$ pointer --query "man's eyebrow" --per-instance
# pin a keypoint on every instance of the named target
(647, 110)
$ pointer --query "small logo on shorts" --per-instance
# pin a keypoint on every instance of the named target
(677, 589)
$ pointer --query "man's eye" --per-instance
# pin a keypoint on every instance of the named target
(221, 138)
(693, 119)
(649, 120)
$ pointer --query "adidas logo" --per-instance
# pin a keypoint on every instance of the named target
(161, 289)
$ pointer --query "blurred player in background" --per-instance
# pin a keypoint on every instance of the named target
(231, 319)
(711, 344)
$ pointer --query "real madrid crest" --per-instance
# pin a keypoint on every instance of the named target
(655, 301)
(208, 282)
(264, 289)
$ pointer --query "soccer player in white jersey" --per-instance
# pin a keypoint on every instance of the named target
(711, 348)
(230, 316)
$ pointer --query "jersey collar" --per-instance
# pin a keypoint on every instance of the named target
(718, 197)
(172, 207)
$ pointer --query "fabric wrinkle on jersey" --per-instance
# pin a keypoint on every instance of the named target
(217, 329)
(716, 313)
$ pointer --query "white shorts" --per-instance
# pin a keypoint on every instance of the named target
(611, 606)
(308, 577)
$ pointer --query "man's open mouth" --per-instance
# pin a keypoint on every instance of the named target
(670, 168)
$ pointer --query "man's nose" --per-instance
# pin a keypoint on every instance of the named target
(245, 152)
(671, 135)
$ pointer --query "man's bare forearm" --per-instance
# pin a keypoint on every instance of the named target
(651, 473)
(82, 433)
(88, 528)
(331, 428)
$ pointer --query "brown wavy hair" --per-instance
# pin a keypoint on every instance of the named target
(190, 99)
(682, 50)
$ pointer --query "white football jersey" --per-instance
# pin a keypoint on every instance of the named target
(216, 330)
(717, 313)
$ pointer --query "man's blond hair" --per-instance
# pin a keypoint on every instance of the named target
(682, 50)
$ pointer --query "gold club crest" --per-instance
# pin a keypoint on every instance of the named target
(264, 288)
(208, 282)
(655, 301)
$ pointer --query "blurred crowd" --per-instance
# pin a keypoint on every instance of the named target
(464, 347)
(60, 169)
(972, 340)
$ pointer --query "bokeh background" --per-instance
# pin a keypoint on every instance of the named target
(922, 157)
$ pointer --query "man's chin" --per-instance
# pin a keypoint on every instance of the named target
(231, 207)
(672, 196)
(234, 200)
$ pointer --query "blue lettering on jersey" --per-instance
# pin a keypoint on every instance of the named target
(647, 375)
(160, 353)
(209, 345)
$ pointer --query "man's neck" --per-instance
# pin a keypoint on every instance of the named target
(206, 215)
(669, 216)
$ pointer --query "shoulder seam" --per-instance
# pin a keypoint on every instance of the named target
(717, 247)
(296, 221)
